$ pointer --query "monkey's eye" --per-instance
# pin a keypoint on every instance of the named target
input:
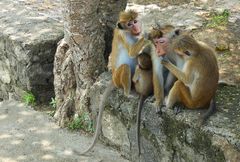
(187, 53)
(129, 24)
(135, 21)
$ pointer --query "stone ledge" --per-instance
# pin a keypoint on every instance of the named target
(28, 41)
(169, 137)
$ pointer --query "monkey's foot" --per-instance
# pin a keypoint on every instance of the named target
(159, 109)
(177, 109)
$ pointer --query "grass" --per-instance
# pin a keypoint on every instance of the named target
(218, 19)
(29, 99)
(82, 122)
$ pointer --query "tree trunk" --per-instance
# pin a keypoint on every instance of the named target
(79, 57)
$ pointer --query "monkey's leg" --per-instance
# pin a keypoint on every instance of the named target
(180, 93)
(169, 83)
(185, 96)
(174, 95)
(158, 93)
(122, 78)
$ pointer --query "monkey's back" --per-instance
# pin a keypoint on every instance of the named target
(206, 76)
(143, 81)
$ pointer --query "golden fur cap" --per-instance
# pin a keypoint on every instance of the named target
(129, 15)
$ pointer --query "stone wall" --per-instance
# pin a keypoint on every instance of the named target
(28, 40)
(167, 137)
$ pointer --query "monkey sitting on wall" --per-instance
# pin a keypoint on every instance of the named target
(126, 45)
(149, 73)
(198, 80)
(159, 38)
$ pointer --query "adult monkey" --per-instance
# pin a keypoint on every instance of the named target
(198, 80)
(150, 74)
(126, 45)
(160, 37)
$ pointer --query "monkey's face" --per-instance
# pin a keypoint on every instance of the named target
(133, 26)
(161, 45)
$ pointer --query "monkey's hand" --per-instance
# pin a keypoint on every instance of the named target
(165, 61)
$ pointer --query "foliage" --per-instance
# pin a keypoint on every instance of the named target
(29, 98)
(53, 103)
(218, 19)
(82, 122)
(51, 113)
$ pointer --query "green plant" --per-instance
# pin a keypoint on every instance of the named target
(218, 19)
(53, 103)
(51, 113)
(82, 122)
(29, 98)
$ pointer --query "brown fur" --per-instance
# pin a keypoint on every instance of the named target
(197, 82)
(142, 80)
(119, 39)
(158, 72)
(127, 16)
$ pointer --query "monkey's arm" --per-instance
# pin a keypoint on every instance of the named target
(133, 50)
(176, 72)
(136, 75)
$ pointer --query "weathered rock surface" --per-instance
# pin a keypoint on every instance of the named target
(168, 137)
(28, 39)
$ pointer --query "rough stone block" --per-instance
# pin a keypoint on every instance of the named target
(28, 40)
(168, 137)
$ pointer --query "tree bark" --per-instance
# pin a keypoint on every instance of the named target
(80, 55)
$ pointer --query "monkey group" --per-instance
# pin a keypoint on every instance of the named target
(166, 62)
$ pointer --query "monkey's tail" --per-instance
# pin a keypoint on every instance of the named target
(211, 110)
(106, 93)
(139, 112)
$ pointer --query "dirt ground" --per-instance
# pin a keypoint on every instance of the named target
(27, 135)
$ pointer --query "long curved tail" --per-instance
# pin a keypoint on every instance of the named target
(139, 112)
(211, 110)
(106, 93)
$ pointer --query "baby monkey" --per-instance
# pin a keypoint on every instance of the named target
(143, 83)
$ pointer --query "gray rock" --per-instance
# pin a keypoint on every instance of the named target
(167, 137)
(28, 41)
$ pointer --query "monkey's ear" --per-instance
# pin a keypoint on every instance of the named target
(187, 53)
(120, 25)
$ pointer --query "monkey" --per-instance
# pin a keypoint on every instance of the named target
(126, 45)
(142, 80)
(197, 80)
(143, 77)
(162, 80)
